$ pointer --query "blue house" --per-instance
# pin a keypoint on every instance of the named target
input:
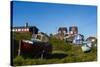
(78, 39)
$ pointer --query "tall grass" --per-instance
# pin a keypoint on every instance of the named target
(62, 53)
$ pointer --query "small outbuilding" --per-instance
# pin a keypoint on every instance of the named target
(86, 46)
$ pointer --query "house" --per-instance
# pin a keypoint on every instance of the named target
(61, 33)
(64, 34)
(73, 30)
(62, 30)
(93, 40)
(78, 39)
(68, 38)
(26, 28)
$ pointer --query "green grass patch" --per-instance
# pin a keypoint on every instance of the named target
(62, 53)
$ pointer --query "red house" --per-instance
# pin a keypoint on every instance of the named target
(26, 28)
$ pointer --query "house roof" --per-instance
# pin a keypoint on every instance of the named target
(79, 36)
(89, 38)
(43, 34)
(62, 28)
(17, 27)
(71, 27)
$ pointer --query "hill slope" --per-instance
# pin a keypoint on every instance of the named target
(62, 53)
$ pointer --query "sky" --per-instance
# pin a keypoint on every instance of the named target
(48, 17)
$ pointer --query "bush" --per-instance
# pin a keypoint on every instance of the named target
(18, 61)
(59, 44)
(21, 36)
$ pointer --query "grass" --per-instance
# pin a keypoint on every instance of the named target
(62, 53)
(57, 57)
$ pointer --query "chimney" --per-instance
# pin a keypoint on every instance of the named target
(26, 25)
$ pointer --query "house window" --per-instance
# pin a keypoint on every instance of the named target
(38, 37)
(93, 40)
(64, 32)
(59, 31)
(27, 29)
(19, 29)
(71, 32)
(13, 30)
(22, 29)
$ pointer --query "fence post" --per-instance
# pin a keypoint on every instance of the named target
(19, 49)
(42, 54)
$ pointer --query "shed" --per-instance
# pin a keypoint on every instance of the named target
(86, 46)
